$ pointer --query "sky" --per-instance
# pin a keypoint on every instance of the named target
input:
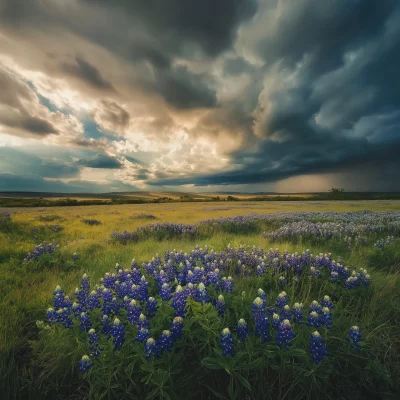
(199, 96)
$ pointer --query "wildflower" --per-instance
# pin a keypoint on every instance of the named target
(118, 333)
(297, 312)
(281, 301)
(75, 257)
(151, 348)
(314, 319)
(165, 292)
(334, 277)
(326, 302)
(262, 329)
(327, 317)
(317, 348)
(63, 316)
(282, 281)
(93, 343)
(315, 306)
(315, 272)
(85, 364)
(86, 324)
(142, 335)
(262, 295)
(242, 330)
(106, 325)
(221, 306)
(166, 340)
(58, 297)
(226, 343)
(133, 312)
(52, 315)
(93, 300)
(286, 313)
(258, 309)
(143, 289)
(135, 292)
(85, 284)
(285, 334)
(227, 284)
(151, 306)
(190, 290)
(276, 320)
(200, 294)
(179, 301)
(177, 327)
(355, 336)
(143, 322)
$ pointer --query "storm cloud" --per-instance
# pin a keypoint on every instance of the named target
(213, 94)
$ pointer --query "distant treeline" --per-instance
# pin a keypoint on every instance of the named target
(41, 202)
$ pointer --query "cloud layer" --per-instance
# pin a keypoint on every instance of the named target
(232, 95)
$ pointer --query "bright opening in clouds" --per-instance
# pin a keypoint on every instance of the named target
(212, 95)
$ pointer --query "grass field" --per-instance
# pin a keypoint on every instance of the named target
(34, 367)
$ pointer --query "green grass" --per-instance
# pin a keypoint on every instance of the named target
(31, 369)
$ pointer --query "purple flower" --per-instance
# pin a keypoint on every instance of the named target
(177, 327)
(118, 333)
(93, 300)
(144, 289)
(262, 329)
(85, 324)
(355, 336)
(221, 306)
(281, 300)
(226, 343)
(93, 343)
(166, 340)
(179, 301)
(133, 312)
(227, 284)
(285, 334)
(242, 330)
(64, 318)
(276, 321)
(286, 313)
(326, 302)
(200, 294)
(165, 292)
(106, 325)
(258, 309)
(151, 348)
(142, 335)
(52, 315)
(317, 348)
(314, 319)
(143, 322)
(85, 364)
(298, 312)
(151, 306)
(327, 317)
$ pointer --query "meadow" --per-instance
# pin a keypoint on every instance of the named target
(191, 342)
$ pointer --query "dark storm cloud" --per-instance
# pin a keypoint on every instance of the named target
(88, 73)
(101, 161)
(16, 100)
(211, 24)
(236, 66)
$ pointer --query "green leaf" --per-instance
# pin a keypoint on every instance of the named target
(212, 363)
(253, 365)
(243, 381)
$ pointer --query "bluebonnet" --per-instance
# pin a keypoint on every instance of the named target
(109, 280)
(151, 348)
(227, 284)
(136, 276)
(76, 309)
(327, 317)
(52, 315)
(262, 295)
(143, 322)
(242, 330)
(326, 302)
(151, 306)
(315, 272)
(262, 329)
(281, 300)
(58, 297)
(226, 343)
(200, 294)
(298, 312)
(166, 340)
(190, 290)
(144, 289)
(285, 334)
(63, 316)
(106, 325)
(133, 312)
(81, 296)
(286, 313)
(85, 284)
(179, 301)
(258, 309)
(93, 343)
(213, 277)
(315, 306)
(177, 327)
(165, 292)
(135, 292)
(282, 281)
(85, 364)
(317, 348)
(355, 336)
(93, 300)
(221, 306)
(276, 320)
(75, 257)
(314, 319)
(142, 335)
(334, 277)
(118, 333)
(85, 322)
(39, 250)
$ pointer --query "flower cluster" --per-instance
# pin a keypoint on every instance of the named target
(39, 250)
(91, 222)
